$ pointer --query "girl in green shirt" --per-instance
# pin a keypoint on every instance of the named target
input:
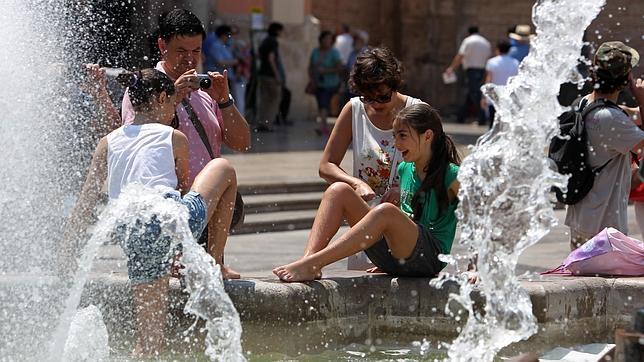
(400, 240)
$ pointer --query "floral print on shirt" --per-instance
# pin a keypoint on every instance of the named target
(375, 167)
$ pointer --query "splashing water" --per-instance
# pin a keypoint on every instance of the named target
(208, 299)
(505, 182)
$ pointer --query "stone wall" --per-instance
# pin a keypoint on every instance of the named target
(425, 34)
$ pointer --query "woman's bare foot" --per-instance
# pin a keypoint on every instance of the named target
(298, 271)
(228, 273)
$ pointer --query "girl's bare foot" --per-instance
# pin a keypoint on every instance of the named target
(228, 273)
(298, 271)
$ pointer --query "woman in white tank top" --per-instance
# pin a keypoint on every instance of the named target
(366, 122)
(151, 153)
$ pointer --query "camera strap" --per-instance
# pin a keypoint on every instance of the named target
(198, 126)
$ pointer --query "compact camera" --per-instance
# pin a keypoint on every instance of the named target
(203, 81)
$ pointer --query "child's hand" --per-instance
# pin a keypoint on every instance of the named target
(96, 82)
(392, 196)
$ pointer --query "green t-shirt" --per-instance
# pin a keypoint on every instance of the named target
(442, 226)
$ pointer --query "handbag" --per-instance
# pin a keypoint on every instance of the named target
(238, 210)
(310, 88)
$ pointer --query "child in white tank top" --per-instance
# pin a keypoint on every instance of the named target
(155, 155)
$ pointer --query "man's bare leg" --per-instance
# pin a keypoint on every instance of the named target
(385, 220)
(217, 184)
(151, 306)
(340, 201)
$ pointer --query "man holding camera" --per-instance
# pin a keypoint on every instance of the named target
(205, 111)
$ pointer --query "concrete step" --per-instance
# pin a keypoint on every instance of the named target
(276, 221)
(282, 187)
(282, 202)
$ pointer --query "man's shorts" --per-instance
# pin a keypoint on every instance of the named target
(148, 249)
(423, 261)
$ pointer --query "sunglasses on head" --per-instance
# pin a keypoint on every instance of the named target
(382, 99)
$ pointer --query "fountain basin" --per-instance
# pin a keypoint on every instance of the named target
(312, 317)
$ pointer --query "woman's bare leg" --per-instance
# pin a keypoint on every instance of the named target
(217, 184)
(340, 201)
(151, 305)
(385, 220)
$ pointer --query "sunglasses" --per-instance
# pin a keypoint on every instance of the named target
(381, 99)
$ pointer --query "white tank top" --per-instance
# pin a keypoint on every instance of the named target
(375, 159)
(143, 154)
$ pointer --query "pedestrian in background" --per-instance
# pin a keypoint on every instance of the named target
(325, 67)
(270, 79)
(498, 70)
(473, 55)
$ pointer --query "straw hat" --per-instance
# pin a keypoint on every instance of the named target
(522, 32)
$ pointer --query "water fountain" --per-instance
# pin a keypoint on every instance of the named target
(49, 147)
(506, 205)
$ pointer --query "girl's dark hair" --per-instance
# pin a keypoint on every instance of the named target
(373, 68)
(422, 117)
(144, 85)
(323, 35)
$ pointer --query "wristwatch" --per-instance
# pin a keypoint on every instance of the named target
(227, 103)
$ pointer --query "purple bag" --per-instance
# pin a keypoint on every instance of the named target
(608, 253)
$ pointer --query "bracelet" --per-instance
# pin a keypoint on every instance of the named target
(227, 103)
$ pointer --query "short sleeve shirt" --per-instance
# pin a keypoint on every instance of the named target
(475, 50)
(441, 224)
(611, 135)
(211, 118)
(329, 60)
(501, 68)
(268, 46)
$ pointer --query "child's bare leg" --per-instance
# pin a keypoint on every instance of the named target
(151, 305)
(385, 220)
(217, 184)
(340, 201)
(218, 231)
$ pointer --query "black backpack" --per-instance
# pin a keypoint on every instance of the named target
(570, 150)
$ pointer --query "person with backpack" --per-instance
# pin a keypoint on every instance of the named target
(610, 137)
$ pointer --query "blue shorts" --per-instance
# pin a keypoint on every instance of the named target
(148, 249)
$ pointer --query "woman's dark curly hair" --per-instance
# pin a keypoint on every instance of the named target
(373, 68)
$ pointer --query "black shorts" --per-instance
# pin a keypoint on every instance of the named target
(423, 261)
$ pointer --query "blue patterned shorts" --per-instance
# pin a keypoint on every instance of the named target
(148, 249)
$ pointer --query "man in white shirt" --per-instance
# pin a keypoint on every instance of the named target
(499, 69)
(473, 54)
(344, 44)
